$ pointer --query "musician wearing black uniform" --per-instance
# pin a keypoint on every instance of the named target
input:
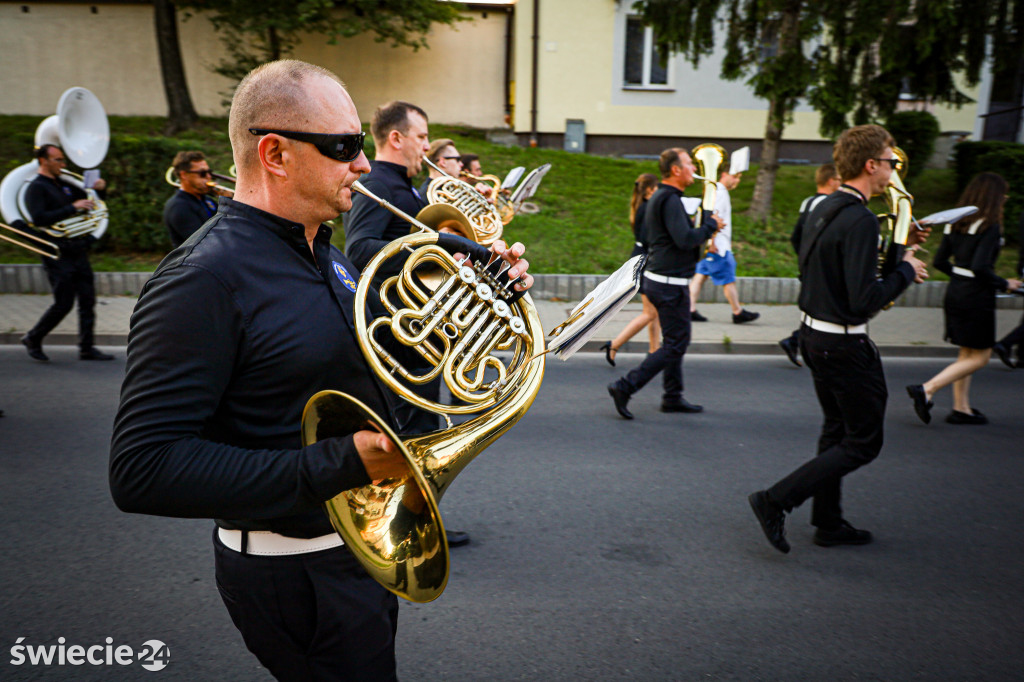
(968, 254)
(840, 291)
(401, 139)
(443, 154)
(826, 181)
(232, 335)
(49, 200)
(193, 203)
(674, 247)
(1004, 347)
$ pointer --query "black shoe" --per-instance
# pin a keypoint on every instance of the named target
(1004, 354)
(681, 406)
(621, 398)
(607, 348)
(94, 354)
(745, 316)
(922, 405)
(845, 534)
(772, 518)
(697, 317)
(791, 352)
(456, 538)
(35, 349)
(976, 417)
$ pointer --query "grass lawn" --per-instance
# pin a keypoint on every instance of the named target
(582, 225)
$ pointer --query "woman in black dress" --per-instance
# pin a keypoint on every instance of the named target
(643, 188)
(968, 255)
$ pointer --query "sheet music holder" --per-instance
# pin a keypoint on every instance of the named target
(596, 308)
(529, 186)
(513, 177)
(949, 216)
(90, 177)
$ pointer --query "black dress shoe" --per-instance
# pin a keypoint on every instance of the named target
(772, 518)
(922, 405)
(697, 317)
(35, 349)
(745, 316)
(957, 417)
(1004, 354)
(94, 354)
(456, 538)
(844, 534)
(607, 348)
(621, 398)
(681, 406)
(791, 352)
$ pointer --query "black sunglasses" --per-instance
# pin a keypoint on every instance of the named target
(340, 147)
(894, 162)
(201, 173)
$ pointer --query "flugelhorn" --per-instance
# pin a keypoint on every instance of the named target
(45, 248)
(457, 327)
(708, 158)
(487, 223)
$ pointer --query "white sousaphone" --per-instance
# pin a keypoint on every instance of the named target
(81, 129)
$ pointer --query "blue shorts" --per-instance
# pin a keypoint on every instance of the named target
(721, 269)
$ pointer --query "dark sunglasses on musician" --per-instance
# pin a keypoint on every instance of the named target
(344, 147)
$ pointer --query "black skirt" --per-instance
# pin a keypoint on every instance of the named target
(970, 311)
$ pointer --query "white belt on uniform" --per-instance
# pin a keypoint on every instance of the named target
(963, 272)
(678, 281)
(832, 327)
(638, 243)
(265, 543)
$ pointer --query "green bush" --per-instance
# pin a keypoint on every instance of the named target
(915, 133)
(1010, 164)
(968, 156)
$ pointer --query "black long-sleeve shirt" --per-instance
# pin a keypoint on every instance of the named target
(839, 263)
(185, 213)
(232, 335)
(673, 244)
(369, 227)
(50, 200)
(808, 205)
(977, 253)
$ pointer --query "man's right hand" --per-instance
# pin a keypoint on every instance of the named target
(381, 457)
(83, 205)
(718, 220)
(920, 269)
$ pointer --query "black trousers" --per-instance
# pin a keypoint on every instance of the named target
(673, 304)
(850, 385)
(1015, 338)
(70, 278)
(316, 616)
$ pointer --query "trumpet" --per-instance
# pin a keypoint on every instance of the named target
(172, 180)
(48, 250)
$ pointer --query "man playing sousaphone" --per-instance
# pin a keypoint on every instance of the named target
(228, 341)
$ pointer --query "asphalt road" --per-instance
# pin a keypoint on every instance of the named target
(602, 549)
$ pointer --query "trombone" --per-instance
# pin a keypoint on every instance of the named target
(48, 250)
(219, 189)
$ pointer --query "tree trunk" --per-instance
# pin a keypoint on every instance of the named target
(761, 203)
(181, 115)
(778, 108)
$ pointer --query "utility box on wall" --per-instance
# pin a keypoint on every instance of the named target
(575, 135)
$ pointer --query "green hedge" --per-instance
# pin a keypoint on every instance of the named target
(1010, 164)
(968, 157)
(915, 133)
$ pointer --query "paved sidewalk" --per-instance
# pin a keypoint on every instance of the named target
(902, 331)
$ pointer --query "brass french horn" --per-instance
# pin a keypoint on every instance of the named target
(458, 326)
(448, 190)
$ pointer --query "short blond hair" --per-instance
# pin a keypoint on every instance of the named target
(856, 146)
(273, 95)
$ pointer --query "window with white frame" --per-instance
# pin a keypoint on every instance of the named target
(643, 66)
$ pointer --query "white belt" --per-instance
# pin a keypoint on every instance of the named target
(638, 243)
(832, 327)
(265, 543)
(678, 281)
(963, 272)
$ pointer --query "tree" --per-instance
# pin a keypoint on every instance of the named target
(846, 57)
(257, 31)
(181, 115)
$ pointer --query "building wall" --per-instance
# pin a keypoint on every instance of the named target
(113, 53)
(580, 67)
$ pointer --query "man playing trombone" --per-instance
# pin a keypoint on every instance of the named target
(193, 203)
(50, 200)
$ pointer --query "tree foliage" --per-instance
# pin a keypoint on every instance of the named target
(257, 31)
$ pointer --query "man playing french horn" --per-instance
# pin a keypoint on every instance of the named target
(231, 336)
(49, 200)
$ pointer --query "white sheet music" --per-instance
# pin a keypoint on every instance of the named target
(90, 177)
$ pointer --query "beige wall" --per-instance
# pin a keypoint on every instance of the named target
(113, 53)
(579, 78)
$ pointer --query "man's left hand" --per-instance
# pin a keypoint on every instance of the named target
(100, 185)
